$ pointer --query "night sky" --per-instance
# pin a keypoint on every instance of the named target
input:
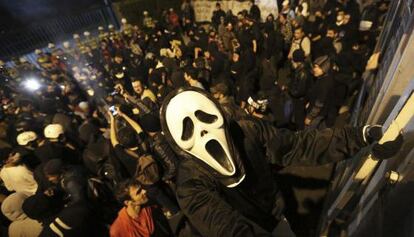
(19, 13)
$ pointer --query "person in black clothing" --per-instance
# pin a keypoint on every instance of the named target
(223, 179)
(321, 94)
(56, 146)
(127, 142)
(159, 147)
(273, 42)
(160, 88)
(131, 150)
(72, 219)
(298, 87)
(121, 71)
(254, 12)
(217, 14)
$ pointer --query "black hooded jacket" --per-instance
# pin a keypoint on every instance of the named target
(252, 208)
(165, 155)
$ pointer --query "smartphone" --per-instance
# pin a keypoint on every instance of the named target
(113, 110)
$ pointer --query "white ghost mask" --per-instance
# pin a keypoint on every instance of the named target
(197, 127)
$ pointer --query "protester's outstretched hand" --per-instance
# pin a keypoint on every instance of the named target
(388, 149)
(373, 134)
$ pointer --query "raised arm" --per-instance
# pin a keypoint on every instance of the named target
(131, 122)
(114, 140)
(309, 147)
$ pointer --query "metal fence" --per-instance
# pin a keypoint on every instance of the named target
(38, 35)
(23, 41)
(396, 24)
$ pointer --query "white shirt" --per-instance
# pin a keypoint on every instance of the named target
(19, 179)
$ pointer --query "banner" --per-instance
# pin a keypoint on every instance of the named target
(204, 9)
(267, 7)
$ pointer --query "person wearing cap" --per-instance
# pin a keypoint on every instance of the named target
(126, 28)
(147, 21)
(79, 44)
(56, 146)
(28, 142)
(102, 34)
(298, 87)
(15, 173)
(320, 94)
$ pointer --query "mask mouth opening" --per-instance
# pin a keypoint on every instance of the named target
(216, 151)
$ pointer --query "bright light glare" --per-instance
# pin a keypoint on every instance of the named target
(32, 84)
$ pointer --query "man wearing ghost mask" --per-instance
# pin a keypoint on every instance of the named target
(224, 182)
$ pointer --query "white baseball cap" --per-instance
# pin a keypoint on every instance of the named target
(25, 137)
(66, 44)
(83, 105)
(53, 131)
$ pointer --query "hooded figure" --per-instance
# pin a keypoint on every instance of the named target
(21, 226)
(224, 184)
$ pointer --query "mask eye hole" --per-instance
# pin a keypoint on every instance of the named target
(205, 117)
(188, 129)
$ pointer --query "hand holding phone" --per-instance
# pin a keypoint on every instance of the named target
(113, 110)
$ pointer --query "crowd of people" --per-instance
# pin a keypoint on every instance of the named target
(83, 147)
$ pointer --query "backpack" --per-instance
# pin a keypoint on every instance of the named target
(101, 195)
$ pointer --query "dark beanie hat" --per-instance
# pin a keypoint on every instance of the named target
(87, 130)
(150, 123)
(155, 77)
(53, 167)
(323, 62)
(127, 137)
(298, 56)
